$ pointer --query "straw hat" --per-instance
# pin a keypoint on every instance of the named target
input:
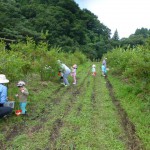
(3, 79)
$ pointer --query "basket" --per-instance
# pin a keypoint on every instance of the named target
(9, 104)
(18, 112)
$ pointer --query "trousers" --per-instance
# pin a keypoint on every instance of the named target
(23, 107)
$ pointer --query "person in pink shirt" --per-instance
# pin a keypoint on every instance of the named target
(73, 73)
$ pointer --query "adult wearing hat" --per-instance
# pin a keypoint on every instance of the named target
(66, 71)
(3, 89)
(3, 97)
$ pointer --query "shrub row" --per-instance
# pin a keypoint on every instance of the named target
(27, 58)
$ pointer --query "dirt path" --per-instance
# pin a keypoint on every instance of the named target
(131, 139)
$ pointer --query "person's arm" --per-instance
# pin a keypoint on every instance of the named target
(24, 91)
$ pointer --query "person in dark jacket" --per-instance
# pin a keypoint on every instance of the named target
(4, 111)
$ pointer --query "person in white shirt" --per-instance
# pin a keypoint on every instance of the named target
(66, 71)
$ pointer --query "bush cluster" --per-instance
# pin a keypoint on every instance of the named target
(133, 65)
(28, 58)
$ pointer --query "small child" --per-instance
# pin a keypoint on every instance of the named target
(104, 71)
(22, 95)
(73, 73)
(93, 70)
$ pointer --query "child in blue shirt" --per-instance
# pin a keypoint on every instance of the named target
(104, 71)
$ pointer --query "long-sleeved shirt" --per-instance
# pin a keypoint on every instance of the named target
(23, 95)
(65, 69)
(103, 68)
(104, 62)
(3, 94)
(93, 69)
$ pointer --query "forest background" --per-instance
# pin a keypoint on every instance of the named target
(61, 23)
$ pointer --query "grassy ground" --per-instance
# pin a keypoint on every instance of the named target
(137, 110)
(78, 117)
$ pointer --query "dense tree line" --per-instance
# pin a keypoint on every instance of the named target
(60, 23)
(140, 37)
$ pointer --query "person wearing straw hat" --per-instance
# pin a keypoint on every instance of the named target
(3, 89)
(4, 111)
(22, 95)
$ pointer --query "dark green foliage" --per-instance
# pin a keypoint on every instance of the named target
(61, 23)
(133, 66)
(57, 22)
(115, 36)
(138, 38)
(143, 32)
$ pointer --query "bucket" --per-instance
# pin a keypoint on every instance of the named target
(18, 112)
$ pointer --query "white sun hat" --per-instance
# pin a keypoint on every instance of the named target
(3, 79)
(21, 83)
(93, 66)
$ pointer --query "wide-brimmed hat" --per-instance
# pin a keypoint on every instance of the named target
(3, 79)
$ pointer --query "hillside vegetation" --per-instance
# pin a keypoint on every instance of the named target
(82, 116)
(58, 22)
(63, 24)
(132, 65)
(98, 113)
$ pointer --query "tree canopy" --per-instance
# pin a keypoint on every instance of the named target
(61, 23)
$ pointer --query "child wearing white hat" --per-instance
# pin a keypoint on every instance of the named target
(22, 95)
(94, 70)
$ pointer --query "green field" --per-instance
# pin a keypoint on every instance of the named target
(86, 116)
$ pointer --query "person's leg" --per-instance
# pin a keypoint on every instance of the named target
(5, 111)
(74, 78)
(1, 105)
(23, 107)
(65, 76)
